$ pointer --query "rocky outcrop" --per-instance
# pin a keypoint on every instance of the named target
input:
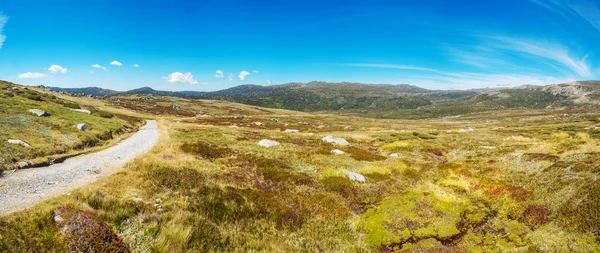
(38, 112)
(268, 143)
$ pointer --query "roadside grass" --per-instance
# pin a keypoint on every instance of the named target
(55, 136)
(510, 185)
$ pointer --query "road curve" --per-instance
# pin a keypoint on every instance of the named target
(25, 188)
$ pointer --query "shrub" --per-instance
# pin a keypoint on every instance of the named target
(33, 97)
(536, 215)
(363, 155)
(394, 146)
(206, 150)
(104, 114)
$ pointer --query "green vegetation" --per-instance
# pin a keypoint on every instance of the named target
(54, 136)
(508, 181)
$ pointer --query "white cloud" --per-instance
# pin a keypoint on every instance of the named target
(97, 66)
(230, 77)
(254, 71)
(31, 75)
(3, 20)
(219, 74)
(243, 75)
(268, 82)
(57, 69)
(116, 63)
(578, 11)
(136, 65)
(548, 52)
(178, 77)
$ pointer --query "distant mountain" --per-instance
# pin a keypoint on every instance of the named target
(385, 100)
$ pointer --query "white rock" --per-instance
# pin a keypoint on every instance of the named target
(19, 142)
(311, 134)
(356, 177)
(321, 126)
(39, 112)
(83, 127)
(82, 110)
(233, 127)
(292, 131)
(58, 219)
(394, 155)
(470, 129)
(158, 200)
(23, 165)
(258, 123)
(268, 143)
(160, 210)
(137, 200)
(449, 131)
(336, 140)
(462, 130)
(488, 147)
(347, 127)
(337, 152)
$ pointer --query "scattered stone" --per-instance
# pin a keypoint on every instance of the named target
(268, 143)
(462, 130)
(275, 119)
(160, 210)
(137, 200)
(176, 107)
(156, 205)
(470, 129)
(233, 127)
(337, 152)
(19, 142)
(23, 165)
(39, 112)
(449, 131)
(488, 147)
(394, 155)
(83, 110)
(292, 131)
(348, 128)
(240, 116)
(158, 200)
(356, 177)
(83, 127)
(321, 126)
(258, 123)
(336, 140)
(311, 134)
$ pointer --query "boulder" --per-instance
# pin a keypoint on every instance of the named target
(336, 140)
(394, 155)
(258, 123)
(267, 143)
(356, 177)
(240, 116)
(23, 165)
(176, 107)
(83, 127)
(83, 110)
(19, 142)
(233, 127)
(275, 119)
(348, 128)
(337, 152)
(292, 131)
(39, 112)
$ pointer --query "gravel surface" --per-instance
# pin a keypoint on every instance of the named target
(25, 188)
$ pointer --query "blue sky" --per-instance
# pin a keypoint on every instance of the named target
(214, 44)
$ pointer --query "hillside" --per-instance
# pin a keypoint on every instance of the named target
(386, 101)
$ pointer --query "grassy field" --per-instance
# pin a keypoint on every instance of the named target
(507, 181)
(52, 137)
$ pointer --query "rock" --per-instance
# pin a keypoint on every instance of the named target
(39, 112)
(233, 127)
(337, 152)
(23, 165)
(268, 143)
(156, 205)
(82, 110)
(137, 200)
(320, 126)
(275, 119)
(462, 130)
(488, 147)
(470, 129)
(240, 116)
(336, 140)
(19, 142)
(311, 134)
(292, 131)
(83, 127)
(394, 155)
(449, 131)
(160, 210)
(356, 177)
(348, 128)
(176, 107)
(15, 88)
(258, 123)
(158, 200)
(58, 218)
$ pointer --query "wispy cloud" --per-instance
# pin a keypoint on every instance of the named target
(548, 52)
(579, 10)
(31, 75)
(3, 20)
(97, 66)
(178, 77)
(254, 71)
(136, 65)
(230, 77)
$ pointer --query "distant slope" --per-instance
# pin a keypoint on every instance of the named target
(88, 90)
(385, 100)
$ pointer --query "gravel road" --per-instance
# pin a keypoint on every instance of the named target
(25, 188)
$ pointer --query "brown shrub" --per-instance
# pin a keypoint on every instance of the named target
(206, 150)
(85, 232)
(363, 155)
(542, 157)
(498, 189)
(582, 211)
(536, 215)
